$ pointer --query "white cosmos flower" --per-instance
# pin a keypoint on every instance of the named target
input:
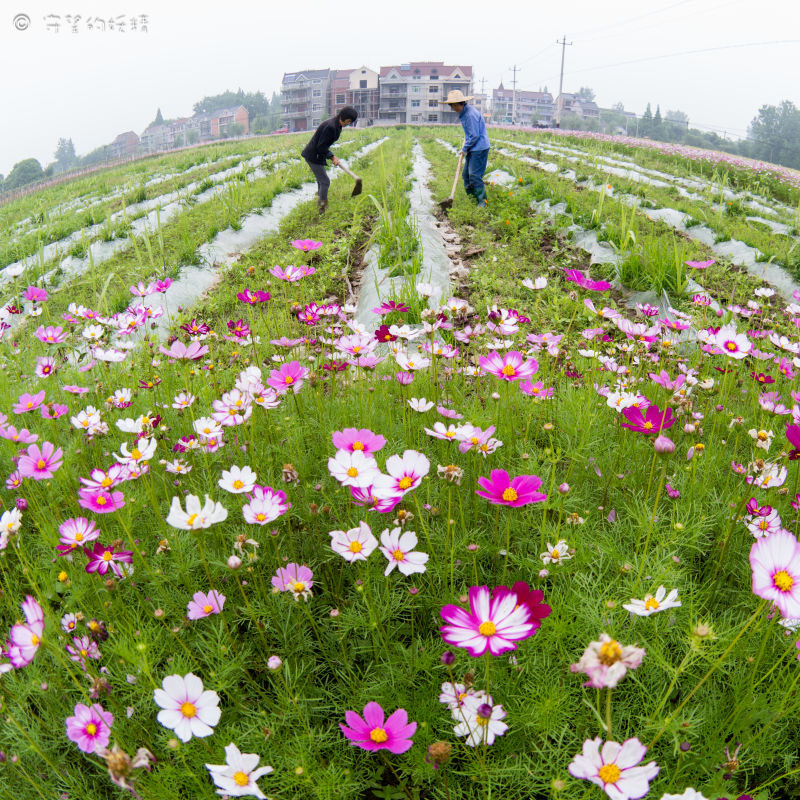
(398, 547)
(238, 480)
(539, 283)
(238, 776)
(196, 516)
(142, 451)
(476, 728)
(556, 553)
(186, 708)
(653, 604)
(355, 544)
(353, 468)
(207, 427)
(420, 404)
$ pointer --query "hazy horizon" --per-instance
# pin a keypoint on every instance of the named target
(91, 85)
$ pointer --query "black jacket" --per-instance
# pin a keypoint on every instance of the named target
(318, 150)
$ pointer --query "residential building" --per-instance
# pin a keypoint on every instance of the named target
(306, 98)
(357, 88)
(481, 102)
(410, 93)
(210, 125)
(522, 106)
(124, 145)
(567, 103)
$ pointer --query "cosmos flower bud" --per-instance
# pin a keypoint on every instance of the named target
(448, 657)
(484, 710)
(22, 503)
(563, 488)
(274, 662)
(663, 445)
(234, 562)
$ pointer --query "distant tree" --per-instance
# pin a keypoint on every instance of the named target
(65, 156)
(676, 116)
(646, 122)
(96, 156)
(234, 129)
(585, 93)
(179, 140)
(572, 122)
(159, 120)
(775, 133)
(256, 103)
(192, 136)
(23, 173)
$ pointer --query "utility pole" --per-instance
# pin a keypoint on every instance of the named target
(483, 105)
(514, 69)
(563, 44)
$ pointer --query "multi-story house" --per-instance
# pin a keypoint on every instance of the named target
(210, 125)
(567, 103)
(126, 144)
(305, 98)
(410, 93)
(357, 88)
(527, 108)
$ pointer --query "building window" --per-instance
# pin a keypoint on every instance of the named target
(433, 104)
(362, 84)
(416, 117)
(415, 103)
(433, 90)
(316, 107)
(340, 98)
(433, 117)
(415, 89)
(317, 92)
(315, 121)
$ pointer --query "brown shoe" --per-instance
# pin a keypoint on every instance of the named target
(322, 205)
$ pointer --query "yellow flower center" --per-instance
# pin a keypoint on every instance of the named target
(509, 495)
(208, 608)
(648, 426)
(261, 517)
(84, 652)
(610, 653)
(473, 439)
(609, 773)
(508, 370)
(355, 547)
(91, 729)
(30, 405)
(237, 484)
(188, 709)
(762, 436)
(482, 721)
(404, 482)
(398, 555)
(487, 628)
(35, 639)
(651, 602)
(358, 445)
(240, 778)
(783, 581)
(555, 555)
(106, 482)
(288, 380)
(101, 501)
(764, 524)
(298, 586)
(108, 555)
(356, 349)
(79, 537)
(40, 464)
(190, 519)
(731, 346)
(378, 735)
(352, 472)
(136, 453)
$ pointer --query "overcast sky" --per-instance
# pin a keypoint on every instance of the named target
(92, 85)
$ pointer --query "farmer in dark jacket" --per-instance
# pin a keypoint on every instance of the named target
(318, 150)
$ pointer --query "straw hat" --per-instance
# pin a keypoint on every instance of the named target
(455, 96)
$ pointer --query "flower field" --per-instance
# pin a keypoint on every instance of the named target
(380, 503)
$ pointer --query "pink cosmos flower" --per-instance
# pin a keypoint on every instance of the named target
(388, 306)
(100, 501)
(90, 727)
(203, 605)
(179, 350)
(499, 489)
(291, 273)
(40, 463)
(536, 389)
(72, 389)
(648, 421)
(354, 439)
(253, 297)
(45, 366)
(101, 558)
(663, 379)
(266, 505)
(606, 662)
(700, 264)
(75, 533)
(22, 436)
(495, 622)
(288, 376)
(187, 708)
(375, 498)
(510, 366)
(53, 410)
(576, 276)
(83, 647)
(24, 640)
(775, 561)
(50, 335)
(28, 402)
(398, 547)
(35, 294)
(532, 598)
(306, 244)
(294, 578)
(373, 733)
(614, 768)
(734, 345)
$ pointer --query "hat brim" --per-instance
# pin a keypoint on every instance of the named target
(453, 102)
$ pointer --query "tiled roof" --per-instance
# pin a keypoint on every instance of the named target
(426, 68)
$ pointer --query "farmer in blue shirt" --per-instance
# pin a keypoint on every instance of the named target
(476, 144)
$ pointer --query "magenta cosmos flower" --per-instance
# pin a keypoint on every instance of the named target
(252, 297)
(90, 728)
(306, 244)
(190, 352)
(374, 733)
(100, 501)
(700, 264)
(28, 402)
(288, 376)
(187, 708)
(24, 640)
(510, 366)
(354, 439)
(614, 767)
(775, 561)
(495, 622)
(291, 273)
(203, 605)
(576, 276)
(102, 558)
(502, 490)
(40, 463)
(649, 420)
(294, 578)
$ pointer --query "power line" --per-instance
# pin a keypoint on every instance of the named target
(634, 19)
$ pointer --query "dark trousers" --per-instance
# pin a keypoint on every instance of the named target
(474, 167)
(323, 181)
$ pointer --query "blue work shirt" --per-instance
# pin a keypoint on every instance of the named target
(475, 135)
